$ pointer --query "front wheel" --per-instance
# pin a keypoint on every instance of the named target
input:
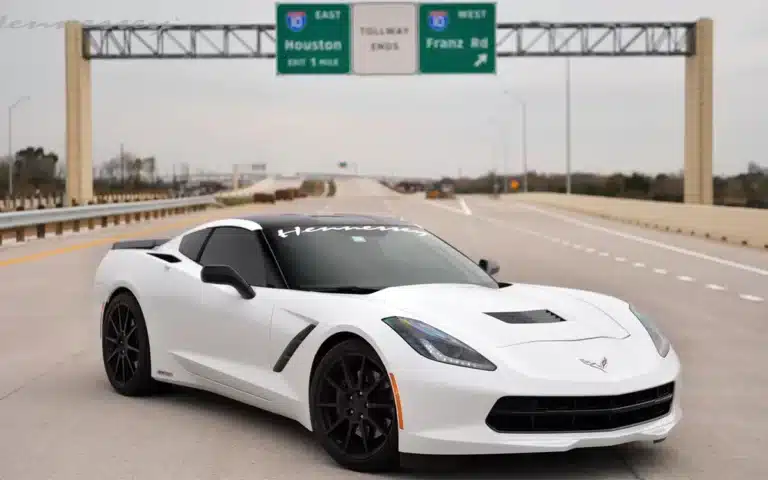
(125, 347)
(353, 410)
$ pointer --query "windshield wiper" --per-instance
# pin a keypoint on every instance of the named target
(351, 289)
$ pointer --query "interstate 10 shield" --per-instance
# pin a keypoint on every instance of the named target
(438, 20)
(296, 21)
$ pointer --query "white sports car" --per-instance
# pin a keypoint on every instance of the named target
(382, 339)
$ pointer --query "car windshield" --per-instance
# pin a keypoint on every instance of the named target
(367, 258)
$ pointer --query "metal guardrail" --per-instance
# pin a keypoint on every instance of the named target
(30, 218)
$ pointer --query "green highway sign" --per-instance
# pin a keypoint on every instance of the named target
(457, 38)
(313, 39)
(375, 38)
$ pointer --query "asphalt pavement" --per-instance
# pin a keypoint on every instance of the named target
(59, 418)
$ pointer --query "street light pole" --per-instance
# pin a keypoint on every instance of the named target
(524, 142)
(11, 156)
(524, 121)
(568, 125)
(10, 151)
(504, 155)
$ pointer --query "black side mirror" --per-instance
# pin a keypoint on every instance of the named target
(226, 275)
(491, 267)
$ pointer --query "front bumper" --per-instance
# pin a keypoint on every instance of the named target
(444, 410)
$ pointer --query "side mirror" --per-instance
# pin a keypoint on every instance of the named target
(491, 267)
(226, 275)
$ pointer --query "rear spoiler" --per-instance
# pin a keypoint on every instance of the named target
(146, 244)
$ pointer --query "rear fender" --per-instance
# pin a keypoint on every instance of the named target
(138, 270)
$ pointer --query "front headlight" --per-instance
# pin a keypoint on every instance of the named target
(661, 342)
(437, 345)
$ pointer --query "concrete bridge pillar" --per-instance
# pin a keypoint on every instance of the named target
(698, 183)
(78, 113)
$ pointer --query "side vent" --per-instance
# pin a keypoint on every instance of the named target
(291, 348)
(144, 244)
(531, 316)
(165, 257)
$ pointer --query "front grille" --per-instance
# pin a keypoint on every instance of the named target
(579, 414)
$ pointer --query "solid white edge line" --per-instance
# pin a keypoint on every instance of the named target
(648, 241)
(660, 271)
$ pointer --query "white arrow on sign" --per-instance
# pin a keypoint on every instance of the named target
(481, 59)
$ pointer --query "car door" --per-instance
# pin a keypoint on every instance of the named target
(177, 295)
(230, 334)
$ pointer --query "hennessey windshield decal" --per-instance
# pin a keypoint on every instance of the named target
(366, 228)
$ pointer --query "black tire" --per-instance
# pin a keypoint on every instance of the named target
(125, 347)
(360, 432)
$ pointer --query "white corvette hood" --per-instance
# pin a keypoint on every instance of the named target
(463, 311)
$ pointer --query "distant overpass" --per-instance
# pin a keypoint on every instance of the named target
(226, 178)
(248, 178)
(387, 178)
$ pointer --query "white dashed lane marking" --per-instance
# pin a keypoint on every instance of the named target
(750, 298)
(660, 271)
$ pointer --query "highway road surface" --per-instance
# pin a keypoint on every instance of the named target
(356, 187)
(59, 419)
(268, 185)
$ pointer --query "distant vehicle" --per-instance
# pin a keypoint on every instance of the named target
(382, 339)
(441, 190)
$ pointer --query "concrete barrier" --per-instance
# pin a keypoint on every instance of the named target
(743, 226)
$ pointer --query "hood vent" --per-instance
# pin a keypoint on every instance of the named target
(531, 316)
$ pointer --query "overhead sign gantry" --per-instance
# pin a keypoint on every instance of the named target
(393, 39)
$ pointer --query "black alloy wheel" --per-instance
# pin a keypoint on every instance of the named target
(353, 408)
(125, 347)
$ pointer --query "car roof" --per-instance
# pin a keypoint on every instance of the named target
(286, 220)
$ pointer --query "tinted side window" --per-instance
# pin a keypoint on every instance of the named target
(191, 244)
(274, 278)
(240, 249)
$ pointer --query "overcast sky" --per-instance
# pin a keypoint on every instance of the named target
(627, 113)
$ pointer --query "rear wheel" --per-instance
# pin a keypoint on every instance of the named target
(125, 347)
(353, 408)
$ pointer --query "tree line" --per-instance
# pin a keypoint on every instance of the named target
(39, 171)
(747, 189)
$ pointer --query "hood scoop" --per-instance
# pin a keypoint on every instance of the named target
(530, 316)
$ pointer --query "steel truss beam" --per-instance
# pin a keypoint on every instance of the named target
(534, 39)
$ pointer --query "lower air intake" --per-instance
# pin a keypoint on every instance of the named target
(579, 414)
